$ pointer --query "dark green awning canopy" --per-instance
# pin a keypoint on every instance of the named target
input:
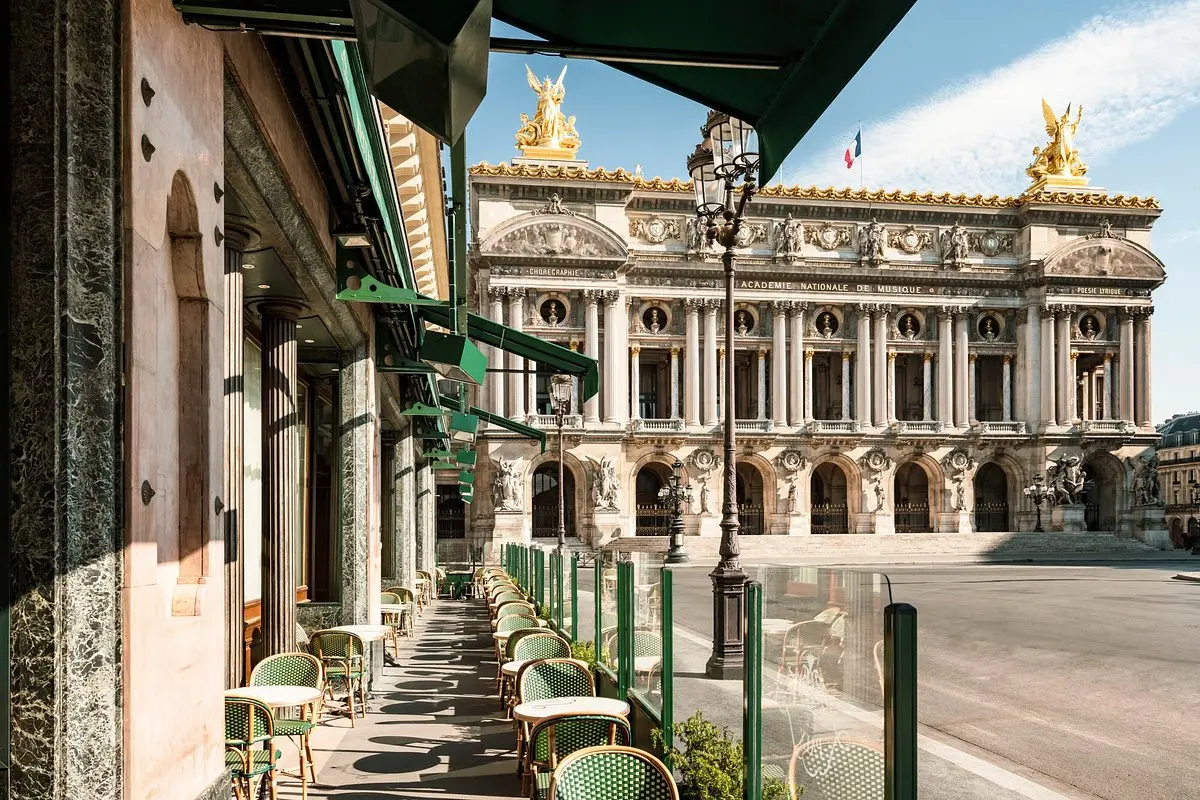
(523, 344)
(502, 422)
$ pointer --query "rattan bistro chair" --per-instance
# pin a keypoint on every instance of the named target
(294, 669)
(249, 746)
(835, 767)
(612, 773)
(409, 601)
(533, 645)
(547, 679)
(558, 736)
(341, 654)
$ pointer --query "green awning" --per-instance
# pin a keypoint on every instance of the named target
(554, 356)
(498, 421)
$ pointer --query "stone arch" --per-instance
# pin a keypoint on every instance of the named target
(1017, 478)
(822, 489)
(191, 406)
(913, 475)
(579, 476)
(650, 474)
(1105, 490)
(1104, 256)
(564, 236)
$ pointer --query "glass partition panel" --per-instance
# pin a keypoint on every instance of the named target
(647, 633)
(820, 646)
(606, 607)
(567, 603)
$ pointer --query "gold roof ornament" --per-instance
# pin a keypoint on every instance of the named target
(1058, 165)
(549, 136)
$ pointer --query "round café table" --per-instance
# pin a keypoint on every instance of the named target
(368, 633)
(773, 626)
(278, 696)
(537, 710)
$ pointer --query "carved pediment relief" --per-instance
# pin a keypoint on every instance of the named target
(553, 236)
(1106, 257)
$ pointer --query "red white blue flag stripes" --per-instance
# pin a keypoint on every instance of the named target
(854, 150)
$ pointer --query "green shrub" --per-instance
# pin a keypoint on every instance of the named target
(585, 652)
(710, 764)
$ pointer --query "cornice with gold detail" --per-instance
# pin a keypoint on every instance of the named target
(602, 175)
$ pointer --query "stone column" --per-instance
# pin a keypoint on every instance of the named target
(862, 367)
(1125, 368)
(945, 366)
(879, 379)
(721, 399)
(1065, 377)
(406, 509)
(1106, 401)
(926, 386)
(426, 534)
(279, 473)
(891, 387)
(624, 388)
(591, 347)
(972, 381)
(1086, 397)
(496, 380)
(1146, 416)
(234, 338)
(845, 386)
(1028, 386)
(1007, 389)
(674, 383)
(1048, 392)
(808, 385)
(801, 379)
(516, 377)
(691, 361)
(710, 363)
(635, 366)
(762, 383)
(961, 388)
(1073, 388)
(358, 420)
(531, 388)
(779, 376)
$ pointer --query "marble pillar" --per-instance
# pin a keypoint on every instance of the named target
(945, 398)
(357, 430)
(1064, 374)
(1145, 416)
(1007, 389)
(1085, 396)
(280, 455)
(927, 386)
(66, 489)
(1073, 388)
(721, 386)
(613, 402)
(1028, 385)
(1108, 383)
(675, 414)
(779, 376)
(808, 384)
(1049, 394)
(426, 534)
(591, 348)
(862, 368)
(710, 363)
(961, 381)
(891, 387)
(762, 384)
(845, 386)
(635, 371)
(496, 380)
(691, 362)
(1125, 368)
(624, 387)
(234, 341)
(405, 513)
(879, 380)
(516, 364)
(801, 378)
(972, 383)
(389, 467)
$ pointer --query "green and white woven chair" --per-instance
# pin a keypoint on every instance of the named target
(534, 644)
(294, 669)
(556, 737)
(341, 654)
(838, 768)
(409, 601)
(513, 607)
(249, 745)
(545, 680)
(612, 773)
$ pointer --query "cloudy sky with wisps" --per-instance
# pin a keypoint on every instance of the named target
(952, 102)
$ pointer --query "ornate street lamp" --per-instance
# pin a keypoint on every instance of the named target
(562, 387)
(676, 494)
(1038, 492)
(717, 166)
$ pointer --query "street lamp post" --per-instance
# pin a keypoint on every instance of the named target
(676, 494)
(561, 389)
(716, 166)
(1038, 492)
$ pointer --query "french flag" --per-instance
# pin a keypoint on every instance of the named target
(854, 150)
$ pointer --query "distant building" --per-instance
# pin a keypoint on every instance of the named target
(1178, 464)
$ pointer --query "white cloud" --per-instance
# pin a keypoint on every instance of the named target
(1133, 74)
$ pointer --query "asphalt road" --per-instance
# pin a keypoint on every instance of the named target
(1085, 680)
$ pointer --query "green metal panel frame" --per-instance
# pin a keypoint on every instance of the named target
(625, 601)
(667, 620)
(752, 696)
(574, 596)
(900, 702)
(454, 404)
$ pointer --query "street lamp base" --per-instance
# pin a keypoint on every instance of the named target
(677, 556)
(727, 662)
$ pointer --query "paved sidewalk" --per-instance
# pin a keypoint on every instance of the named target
(433, 728)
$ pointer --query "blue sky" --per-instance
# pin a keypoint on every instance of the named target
(952, 102)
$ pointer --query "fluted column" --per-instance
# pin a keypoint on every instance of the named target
(961, 388)
(801, 378)
(762, 383)
(1049, 390)
(591, 347)
(691, 361)
(426, 535)
(635, 366)
(862, 367)
(516, 378)
(236, 240)
(945, 399)
(280, 463)
(1065, 378)
(1007, 389)
(779, 376)
(613, 401)
(624, 388)
(927, 386)
(845, 386)
(496, 380)
(721, 398)
(1085, 397)
(973, 381)
(674, 383)
(710, 364)
(357, 423)
(879, 379)
(1073, 387)
(808, 384)
(891, 387)
(1125, 368)
(406, 509)
(1109, 383)
(1145, 416)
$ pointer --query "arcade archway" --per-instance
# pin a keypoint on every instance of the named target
(545, 501)
(750, 500)
(653, 517)
(829, 507)
(912, 499)
(1103, 479)
(991, 499)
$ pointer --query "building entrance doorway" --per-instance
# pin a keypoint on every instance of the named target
(653, 518)
(991, 500)
(750, 500)
(827, 491)
(545, 501)
(911, 494)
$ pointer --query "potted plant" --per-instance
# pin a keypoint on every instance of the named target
(709, 762)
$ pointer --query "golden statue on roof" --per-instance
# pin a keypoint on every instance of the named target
(549, 135)
(1057, 165)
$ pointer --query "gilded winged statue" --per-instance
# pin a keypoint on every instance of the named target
(1058, 158)
(549, 128)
